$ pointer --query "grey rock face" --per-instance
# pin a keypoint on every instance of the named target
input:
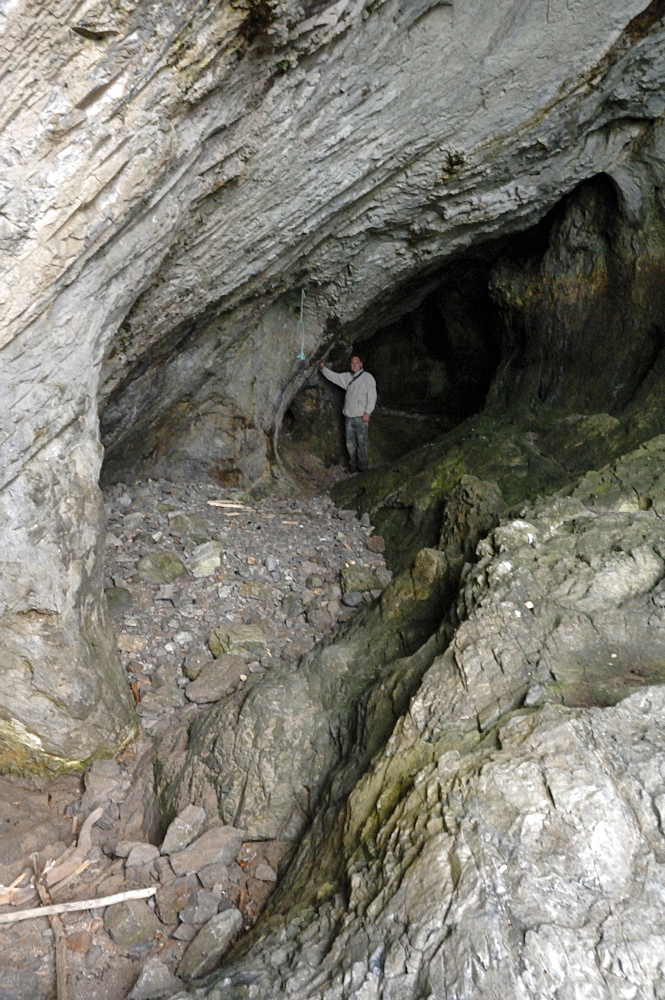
(290, 730)
(172, 144)
(497, 848)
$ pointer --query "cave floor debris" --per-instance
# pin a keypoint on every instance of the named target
(252, 581)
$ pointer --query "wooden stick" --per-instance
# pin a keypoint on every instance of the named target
(58, 928)
(79, 904)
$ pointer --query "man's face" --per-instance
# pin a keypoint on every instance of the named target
(355, 364)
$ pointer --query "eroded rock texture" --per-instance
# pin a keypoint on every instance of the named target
(174, 174)
(508, 839)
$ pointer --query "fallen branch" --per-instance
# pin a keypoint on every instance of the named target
(58, 928)
(79, 904)
(72, 858)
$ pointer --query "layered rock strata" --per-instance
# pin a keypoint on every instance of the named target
(175, 174)
(508, 839)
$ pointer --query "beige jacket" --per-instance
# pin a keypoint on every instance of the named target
(360, 390)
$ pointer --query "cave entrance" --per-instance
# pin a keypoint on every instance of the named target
(433, 361)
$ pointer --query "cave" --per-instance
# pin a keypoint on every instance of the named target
(454, 764)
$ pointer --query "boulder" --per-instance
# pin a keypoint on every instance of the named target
(210, 944)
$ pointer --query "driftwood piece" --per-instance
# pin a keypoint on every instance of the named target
(58, 928)
(78, 904)
(72, 859)
(57, 874)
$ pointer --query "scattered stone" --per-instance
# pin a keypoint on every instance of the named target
(292, 606)
(353, 599)
(195, 662)
(202, 905)
(206, 559)
(118, 598)
(79, 941)
(155, 982)
(183, 829)
(192, 525)
(320, 619)
(131, 923)
(103, 781)
(141, 854)
(174, 897)
(359, 578)
(375, 543)
(210, 944)
(256, 590)
(218, 846)
(185, 932)
(131, 643)
(160, 567)
(265, 873)
(213, 875)
(217, 678)
(131, 522)
(247, 641)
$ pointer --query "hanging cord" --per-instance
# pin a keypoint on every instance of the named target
(301, 326)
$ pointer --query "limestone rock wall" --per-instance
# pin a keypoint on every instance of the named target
(174, 173)
(507, 840)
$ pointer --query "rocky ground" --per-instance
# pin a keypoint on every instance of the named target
(208, 590)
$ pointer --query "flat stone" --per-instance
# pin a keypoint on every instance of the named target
(160, 567)
(183, 829)
(103, 781)
(131, 923)
(218, 846)
(353, 599)
(320, 619)
(265, 873)
(292, 606)
(155, 702)
(185, 932)
(206, 559)
(195, 662)
(174, 897)
(79, 942)
(118, 598)
(247, 641)
(192, 525)
(129, 642)
(210, 944)
(359, 578)
(155, 982)
(217, 678)
(213, 875)
(256, 590)
(141, 854)
(202, 905)
(131, 522)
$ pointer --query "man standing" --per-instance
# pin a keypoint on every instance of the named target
(359, 403)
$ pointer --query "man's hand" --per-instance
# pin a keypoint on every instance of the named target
(366, 418)
(322, 365)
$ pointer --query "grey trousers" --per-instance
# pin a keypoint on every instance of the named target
(357, 442)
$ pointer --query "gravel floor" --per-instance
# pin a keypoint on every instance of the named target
(189, 567)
